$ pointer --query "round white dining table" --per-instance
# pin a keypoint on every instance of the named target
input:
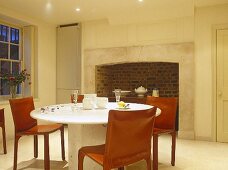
(85, 127)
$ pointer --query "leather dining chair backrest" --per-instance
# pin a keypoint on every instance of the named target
(128, 137)
(168, 106)
(80, 98)
(21, 109)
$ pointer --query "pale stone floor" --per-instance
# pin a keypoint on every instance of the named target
(190, 155)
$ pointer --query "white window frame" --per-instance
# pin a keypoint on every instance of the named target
(21, 58)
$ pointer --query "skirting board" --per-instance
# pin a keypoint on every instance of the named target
(186, 135)
(203, 138)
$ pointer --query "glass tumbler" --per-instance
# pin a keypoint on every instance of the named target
(74, 96)
(117, 94)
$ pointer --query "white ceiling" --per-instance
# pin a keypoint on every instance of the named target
(116, 11)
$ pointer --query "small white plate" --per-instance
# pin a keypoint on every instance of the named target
(123, 108)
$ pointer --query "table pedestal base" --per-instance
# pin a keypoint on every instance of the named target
(84, 135)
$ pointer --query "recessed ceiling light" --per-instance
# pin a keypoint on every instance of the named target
(140, 0)
(78, 9)
(48, 5)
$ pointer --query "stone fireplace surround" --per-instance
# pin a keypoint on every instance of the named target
(181, 53)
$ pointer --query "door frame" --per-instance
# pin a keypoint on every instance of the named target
(214, 78)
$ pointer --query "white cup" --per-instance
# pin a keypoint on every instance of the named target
(155, 93)
(102, 102)
(91, 96)
(88, 103)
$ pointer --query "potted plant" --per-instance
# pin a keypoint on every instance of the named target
(15, 79)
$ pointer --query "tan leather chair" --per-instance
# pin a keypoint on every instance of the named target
(26, 125)
(2, 125)
(164, 124)
(128, 140)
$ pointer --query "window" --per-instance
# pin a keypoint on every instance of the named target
(10, 54)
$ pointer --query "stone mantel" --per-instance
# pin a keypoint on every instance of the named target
(182, 53)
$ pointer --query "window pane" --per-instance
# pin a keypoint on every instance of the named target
(18, 89)
(3, 50)
(5, 67)
(15, 67)
(14, 35)
(5, 88)
(4, 33)
(14, 52)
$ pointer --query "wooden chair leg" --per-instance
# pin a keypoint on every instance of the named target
(173, 148)
(155, 152)
(148, 163)
(81, 156)
(46, 152)
(16, 139)
(35, 146)
(4, 139)
(62, 143)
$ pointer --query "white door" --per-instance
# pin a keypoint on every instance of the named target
(222, 85)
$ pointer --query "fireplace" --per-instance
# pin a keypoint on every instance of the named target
(179, 54)
(163, 76)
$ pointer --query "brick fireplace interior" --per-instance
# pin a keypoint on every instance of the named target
(163, 76)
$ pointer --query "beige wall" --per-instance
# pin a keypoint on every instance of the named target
(100, 34)
(46, 66)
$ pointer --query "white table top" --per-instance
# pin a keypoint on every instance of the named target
(69, 114)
